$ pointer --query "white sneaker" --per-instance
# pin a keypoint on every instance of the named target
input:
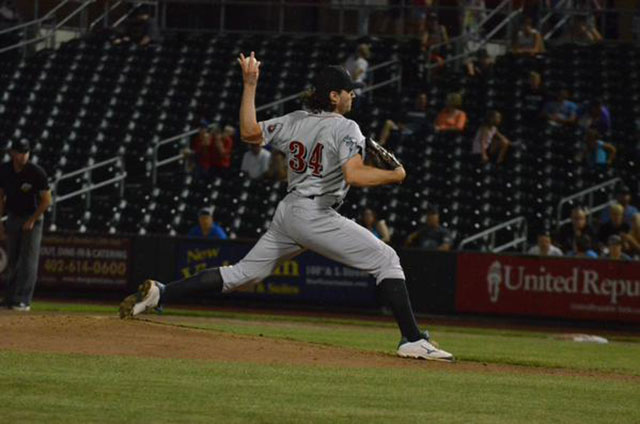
(147, 297)
(22, 307)
(422, 349)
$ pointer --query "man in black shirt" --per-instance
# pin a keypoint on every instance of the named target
(25, 196)
(433, 235)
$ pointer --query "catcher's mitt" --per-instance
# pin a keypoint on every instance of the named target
(381, 157)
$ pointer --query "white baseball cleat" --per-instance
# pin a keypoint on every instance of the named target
(422, 349)
(146, 298)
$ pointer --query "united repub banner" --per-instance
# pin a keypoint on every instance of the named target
(562, 287)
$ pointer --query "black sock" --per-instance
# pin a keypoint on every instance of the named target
(394, 292)
(207, 281)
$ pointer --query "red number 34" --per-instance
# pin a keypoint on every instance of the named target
(298, 162)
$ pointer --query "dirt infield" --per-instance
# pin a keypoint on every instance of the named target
(164, 338)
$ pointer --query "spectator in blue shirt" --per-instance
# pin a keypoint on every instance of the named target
(623, 197)
(597, 152)
(583, 249)
(561, 111)
(206, 227)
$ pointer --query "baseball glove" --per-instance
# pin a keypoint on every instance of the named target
(381, 157)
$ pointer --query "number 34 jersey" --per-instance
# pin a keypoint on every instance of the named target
(316, 146)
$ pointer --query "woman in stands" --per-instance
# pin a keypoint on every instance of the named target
(451, 118)
(489, 141)
(528, 40)
(379, 228)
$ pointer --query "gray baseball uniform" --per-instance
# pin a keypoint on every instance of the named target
(316, 145)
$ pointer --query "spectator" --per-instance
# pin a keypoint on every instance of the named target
(377, 227)
(277, 167)
(419, 13)
(544, 246)
(528, 40)
(222, 148)
(357, 65)
(451, 118)
(579, 31)
(533, 98)
(407, 123)
(561, 111)
(206, 227)
(583, 248)
(434, 35)
(488, 140)
(595, 115)
(597, 153)
(623, 197)
(631, 240)
(25, 196)
(482, 66)
(615, 226)
(573, 230)
(431, 236)
(8, 14)
(202, 149)
(615, 249)
(255, 161)
(475, 11)
(141, 29)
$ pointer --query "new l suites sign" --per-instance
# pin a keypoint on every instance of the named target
(566, 288)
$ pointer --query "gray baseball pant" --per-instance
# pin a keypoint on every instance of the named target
(23, 252)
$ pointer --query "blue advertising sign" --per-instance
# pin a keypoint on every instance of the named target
(307, 278)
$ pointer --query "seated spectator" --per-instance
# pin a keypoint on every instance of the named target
(596, 116)
(206, 227)
(615, 226)
(431, 236)
(357, 65)
(222, 148)
(614, 244)
(533, 98)
(580, 31)
(434, 34)
(623, 197)
(561, 111)
(597, 153)
(377, 227)
(277, 167)
(631, 240)
(202, 149)
(407, 123)
(583, 249)
(255, 161)
(140, 29)
(488, 140)
(482, 66)
(571, 231)
(528, 40)
(544, 246)
(451, 118)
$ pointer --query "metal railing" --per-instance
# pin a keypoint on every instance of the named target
(37, 24)
(158, 163)
(88, 185)
(517, 225)
(481, 43)
(590, 208)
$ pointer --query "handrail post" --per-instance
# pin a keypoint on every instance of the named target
(54, 207)
(154, 165)
(122, 171)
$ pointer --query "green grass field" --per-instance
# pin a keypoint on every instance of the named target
(530, 377)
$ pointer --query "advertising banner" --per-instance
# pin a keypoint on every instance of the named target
(306, 278)
(548, 287)
(84, 261)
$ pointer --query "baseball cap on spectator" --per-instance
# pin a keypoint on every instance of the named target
(205, 211)
(21, 146)
(433, 209)
(614, 239)
(335, 78)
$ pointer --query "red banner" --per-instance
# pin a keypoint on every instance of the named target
(552, 287)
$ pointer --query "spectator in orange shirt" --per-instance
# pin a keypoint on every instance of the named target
(451, 118)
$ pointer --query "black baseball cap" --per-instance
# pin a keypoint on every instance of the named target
(433, 209)
(335, 78)
(21, 146)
